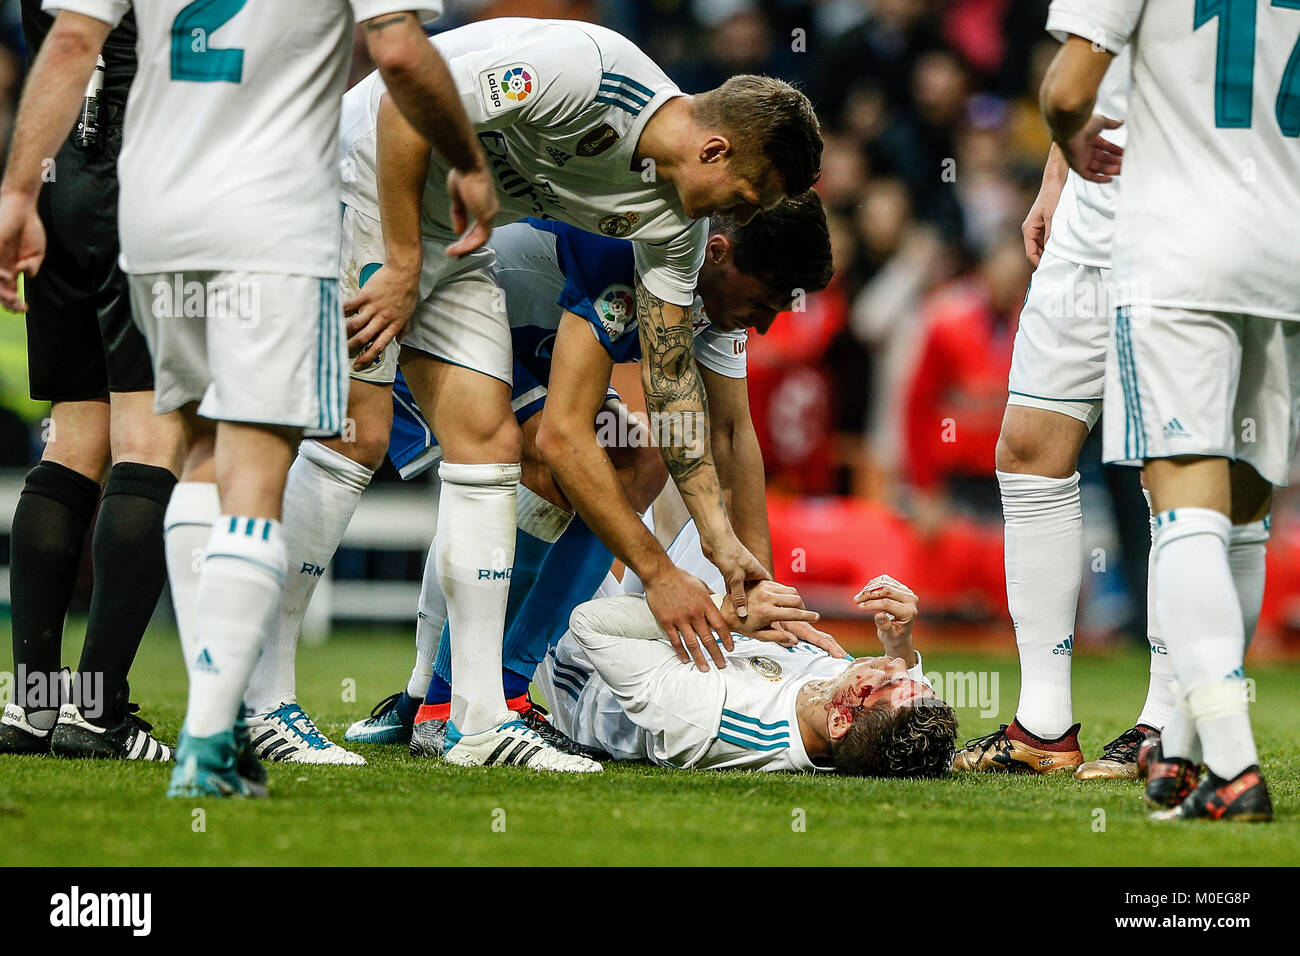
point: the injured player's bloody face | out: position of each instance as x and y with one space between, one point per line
873 720
870 682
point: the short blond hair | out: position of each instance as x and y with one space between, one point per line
773 120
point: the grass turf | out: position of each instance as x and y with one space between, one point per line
400 811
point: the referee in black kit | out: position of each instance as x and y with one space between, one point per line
86 356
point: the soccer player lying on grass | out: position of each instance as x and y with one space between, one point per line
569 294
614 682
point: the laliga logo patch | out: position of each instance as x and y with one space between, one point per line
507 87
518 84
616 306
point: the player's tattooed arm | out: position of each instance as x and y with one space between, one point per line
677 400
679 412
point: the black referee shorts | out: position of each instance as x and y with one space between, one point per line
81 341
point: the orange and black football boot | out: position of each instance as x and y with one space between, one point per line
1169 780
1119 758
1243 799
1012 749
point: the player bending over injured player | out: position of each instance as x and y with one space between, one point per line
615 683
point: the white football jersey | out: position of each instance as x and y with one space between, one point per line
1209 213
559 106
229 157
1084 225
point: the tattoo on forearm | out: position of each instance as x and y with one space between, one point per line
675 395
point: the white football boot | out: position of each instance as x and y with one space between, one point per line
286 734
509 742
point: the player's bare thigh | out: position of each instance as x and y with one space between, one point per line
468 411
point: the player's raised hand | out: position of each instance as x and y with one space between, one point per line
685 610
474 207
1090 154
895 607
22 247
380 313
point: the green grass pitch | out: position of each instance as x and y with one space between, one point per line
400 811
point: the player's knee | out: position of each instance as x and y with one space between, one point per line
503 441
1025 452
364 444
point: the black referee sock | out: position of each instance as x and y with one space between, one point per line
129 573
47 538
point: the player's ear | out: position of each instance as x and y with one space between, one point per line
719 249
715 149
838 722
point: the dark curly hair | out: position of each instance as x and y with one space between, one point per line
915 739
787 246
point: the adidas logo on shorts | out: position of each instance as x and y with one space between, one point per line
1174 429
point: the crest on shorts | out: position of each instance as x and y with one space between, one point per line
598 140
619 225
767 668
616 307
507 87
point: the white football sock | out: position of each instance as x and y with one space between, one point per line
476 551
1178 738
1044 569
1222 715
1159 705
187 526
1247 551
321 494
1200 617
428 627
238 600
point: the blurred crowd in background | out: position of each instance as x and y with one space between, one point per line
878 402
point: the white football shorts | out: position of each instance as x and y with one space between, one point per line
1059 358
461 317
248 347
1183 382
